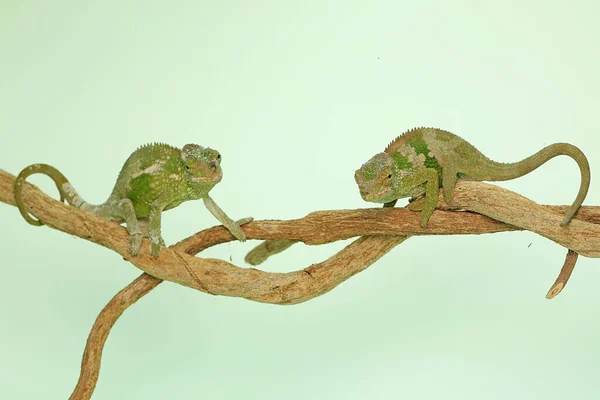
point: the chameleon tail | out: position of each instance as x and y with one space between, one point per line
501 172
62 184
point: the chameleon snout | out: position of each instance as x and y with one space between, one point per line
363 190
358 178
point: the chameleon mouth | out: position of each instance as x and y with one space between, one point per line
374 196
207 179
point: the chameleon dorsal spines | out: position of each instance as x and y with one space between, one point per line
156 177
422 160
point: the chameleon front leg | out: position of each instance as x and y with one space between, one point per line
124 209
154 222
390 203
449 179
227 222
145 227
429 178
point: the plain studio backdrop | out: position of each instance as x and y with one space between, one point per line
296 96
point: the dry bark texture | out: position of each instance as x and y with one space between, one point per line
379 229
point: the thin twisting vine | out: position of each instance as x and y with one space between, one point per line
379 230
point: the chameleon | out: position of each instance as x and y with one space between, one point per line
156 177
423 160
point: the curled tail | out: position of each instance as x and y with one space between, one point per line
62 184
500 172
584 168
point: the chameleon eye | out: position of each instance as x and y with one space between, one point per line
390 176
187 167
218 156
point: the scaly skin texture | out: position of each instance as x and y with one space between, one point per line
155 178
422 160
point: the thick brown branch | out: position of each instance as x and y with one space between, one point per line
90 364
222 278
390 227
500 204
355 258
565 274
503 205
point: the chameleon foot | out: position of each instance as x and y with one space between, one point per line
135 242
237 232
244 221
155 246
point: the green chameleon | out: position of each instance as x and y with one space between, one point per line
422 160
155 177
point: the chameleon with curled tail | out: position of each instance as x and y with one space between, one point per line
422 160
155 177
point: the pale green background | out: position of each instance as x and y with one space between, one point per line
296 96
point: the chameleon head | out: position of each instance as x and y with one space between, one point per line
376 179
202 164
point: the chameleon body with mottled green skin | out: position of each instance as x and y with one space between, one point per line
155 178
422 160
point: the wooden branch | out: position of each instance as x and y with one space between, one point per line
90 363
222 278
381 230
503 205
356 257
565 274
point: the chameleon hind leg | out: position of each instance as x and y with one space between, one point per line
154 220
